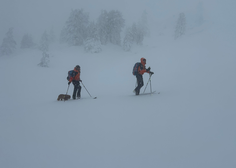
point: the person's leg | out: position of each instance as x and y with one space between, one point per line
78 92
74 93
75 89
140 83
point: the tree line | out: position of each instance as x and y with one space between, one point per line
80 31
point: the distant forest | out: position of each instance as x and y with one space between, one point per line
78 30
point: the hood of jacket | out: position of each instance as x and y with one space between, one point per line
76 70
142 61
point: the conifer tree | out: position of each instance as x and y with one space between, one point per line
92 43
9 44
44 60
115 25
27 41
181 26
110 25
102 24
128 39
52 36
75 30
143 24
44 43
138 34
200 12
133 35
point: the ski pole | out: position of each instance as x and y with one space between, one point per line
150 85
87 90
66 92
148 82
67 89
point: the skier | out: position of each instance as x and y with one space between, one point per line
75 79
138 71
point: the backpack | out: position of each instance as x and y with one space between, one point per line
135 68
70 74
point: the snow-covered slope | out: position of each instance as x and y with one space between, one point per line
190 124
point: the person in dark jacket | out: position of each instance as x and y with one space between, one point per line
141 70
75 79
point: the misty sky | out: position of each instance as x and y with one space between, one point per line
34 16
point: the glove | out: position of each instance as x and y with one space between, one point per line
151 73
148 69
69 83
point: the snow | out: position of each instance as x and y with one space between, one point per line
191 123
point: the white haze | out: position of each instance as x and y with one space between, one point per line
190 124
34 17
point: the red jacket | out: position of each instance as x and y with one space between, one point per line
76 77
142 68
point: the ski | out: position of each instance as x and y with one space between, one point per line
150 93
81 98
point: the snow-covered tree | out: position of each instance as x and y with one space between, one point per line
102 25
27 41
115 25
133 35
143 24
181 26
52 36
75 30
199 14
9 44
92 43
110 25
44 43
138 34
44 60
128 39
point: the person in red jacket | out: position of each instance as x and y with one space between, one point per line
141 70
75 79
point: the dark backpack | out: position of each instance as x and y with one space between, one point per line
135 68
70 74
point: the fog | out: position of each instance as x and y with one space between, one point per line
34 17
191 123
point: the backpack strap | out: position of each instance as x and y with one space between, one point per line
74 73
